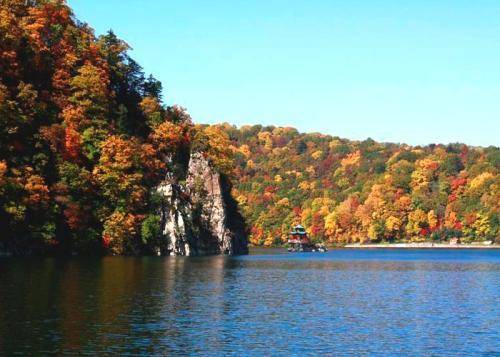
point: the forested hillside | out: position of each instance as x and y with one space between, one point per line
363 191
85 140
84 137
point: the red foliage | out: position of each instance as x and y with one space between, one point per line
325 166
73 215
457 182
72 144
464 152
270 189
106 240
425 231
470 218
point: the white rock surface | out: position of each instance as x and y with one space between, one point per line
196 218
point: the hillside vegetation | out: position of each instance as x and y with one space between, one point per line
84 137
363 191
85 140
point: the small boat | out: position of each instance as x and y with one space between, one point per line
320 247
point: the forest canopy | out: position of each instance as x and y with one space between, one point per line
84 136
85 139
347 191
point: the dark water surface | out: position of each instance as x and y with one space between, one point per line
418 302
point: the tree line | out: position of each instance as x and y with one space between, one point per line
347 191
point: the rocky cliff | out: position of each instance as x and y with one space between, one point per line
199 215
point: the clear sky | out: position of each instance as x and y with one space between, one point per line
414 71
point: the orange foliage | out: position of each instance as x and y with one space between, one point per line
40 21
118 154
10 37
120 228
3 172
150 106
37 190
72 143
352 159
154 166
168 136
74 116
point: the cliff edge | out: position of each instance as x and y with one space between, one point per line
199 215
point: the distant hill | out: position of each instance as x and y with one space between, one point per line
359 191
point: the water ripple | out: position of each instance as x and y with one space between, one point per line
342 302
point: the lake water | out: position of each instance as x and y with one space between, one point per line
418 302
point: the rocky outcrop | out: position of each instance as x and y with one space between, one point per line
199 215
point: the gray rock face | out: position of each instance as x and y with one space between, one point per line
199 216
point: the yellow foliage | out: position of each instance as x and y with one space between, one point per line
150 105
372 232
284 202
152 110
393 224
305 216
481 179
17 212
219 150
269 241
278 178
416 221
353 159
245 150
334 143
482 226
419 179
90 87
266 138
432 219
304 185
119 228
331 226
317 154
343 182
424 174
342 222
241 200
311 170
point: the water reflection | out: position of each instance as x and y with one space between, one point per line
399 302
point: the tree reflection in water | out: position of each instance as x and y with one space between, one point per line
431 302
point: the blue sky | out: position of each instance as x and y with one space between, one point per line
414 71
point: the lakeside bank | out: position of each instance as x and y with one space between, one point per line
424 246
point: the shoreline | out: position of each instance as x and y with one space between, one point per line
423 246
